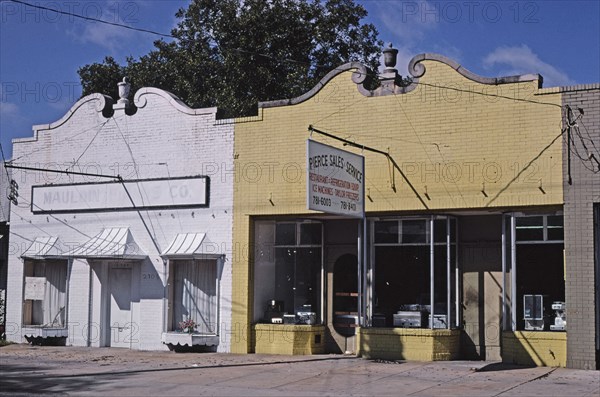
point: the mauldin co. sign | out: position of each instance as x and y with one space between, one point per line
335 180
121 196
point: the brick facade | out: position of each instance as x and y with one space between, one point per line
163 139
466 144
580 197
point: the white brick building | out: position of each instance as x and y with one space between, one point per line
89 268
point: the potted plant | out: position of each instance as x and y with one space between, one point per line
188 326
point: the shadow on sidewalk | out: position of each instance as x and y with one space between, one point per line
503 367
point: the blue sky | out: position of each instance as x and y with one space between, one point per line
40 51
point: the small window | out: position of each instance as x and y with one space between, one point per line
386 232
530 228
310 234
453 230
555 227
539 228
285 234
414 231
439 230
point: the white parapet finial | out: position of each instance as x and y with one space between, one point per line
124 88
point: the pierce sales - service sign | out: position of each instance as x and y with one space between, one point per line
335 180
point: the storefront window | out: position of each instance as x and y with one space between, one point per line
537 275
193 295
45 297
408 267
288 272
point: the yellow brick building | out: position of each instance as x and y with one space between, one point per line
467 186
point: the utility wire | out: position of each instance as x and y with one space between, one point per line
170 36
71 14
4 161
135 167
89 144
60 141
370 149
239 50
489 95
441 177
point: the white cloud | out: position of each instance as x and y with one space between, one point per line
8 110
104 35
521 60
107 36
408 21
449 51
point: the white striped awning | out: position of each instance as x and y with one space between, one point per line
111 243
43 247
191 245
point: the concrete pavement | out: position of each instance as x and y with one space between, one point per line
27 370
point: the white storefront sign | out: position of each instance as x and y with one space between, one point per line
152 193
335 180
35 288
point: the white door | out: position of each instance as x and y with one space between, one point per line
121 326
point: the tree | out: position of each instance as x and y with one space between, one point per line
234 53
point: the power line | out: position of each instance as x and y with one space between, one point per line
486 94
89 144
239 50
19 167
428 156
71 14
370 149
4 161
170 36
61 141
135 168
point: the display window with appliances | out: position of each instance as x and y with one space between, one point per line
414 268
288 272
534 272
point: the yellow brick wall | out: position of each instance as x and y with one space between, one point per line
289 339
451 143
535 348
409 344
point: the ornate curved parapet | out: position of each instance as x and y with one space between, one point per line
359 77
99 102
140 100
417 69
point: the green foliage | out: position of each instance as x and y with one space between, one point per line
234 53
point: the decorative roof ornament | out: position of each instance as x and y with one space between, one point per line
124 88
390 55
390 78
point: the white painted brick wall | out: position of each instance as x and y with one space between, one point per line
165 141
4 187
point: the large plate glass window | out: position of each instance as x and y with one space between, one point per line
288 272
414 272
534 272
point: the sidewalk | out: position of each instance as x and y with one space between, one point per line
27 370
